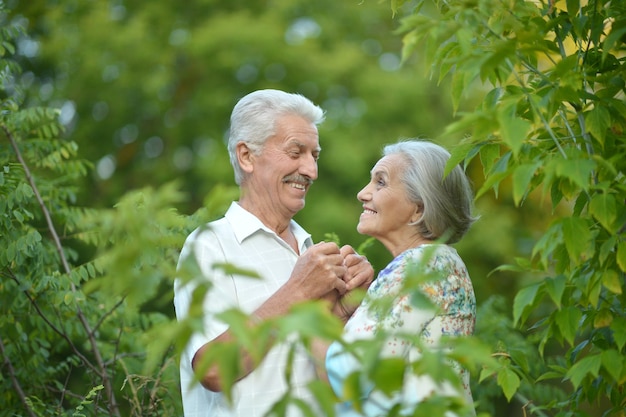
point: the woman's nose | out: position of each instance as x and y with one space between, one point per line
363 195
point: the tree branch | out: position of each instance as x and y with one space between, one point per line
106 382
16 384
54 328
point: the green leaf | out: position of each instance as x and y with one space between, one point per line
231 269
618 327
389 374
68 298
513 129
613 363
603 318
549 242
509 382
522 177
621 255
458 87
577 170
580 370
555 287
550 375
457 154
577 237
612 281
603 207
489 154
607 249
598 121
499 171
320 390
568 321
524 301
311 320
573 7
611 40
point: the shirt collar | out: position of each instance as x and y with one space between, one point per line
245 224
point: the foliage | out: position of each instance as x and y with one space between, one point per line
552 119
68 348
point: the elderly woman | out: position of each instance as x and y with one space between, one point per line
416 212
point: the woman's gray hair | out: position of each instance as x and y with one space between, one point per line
254 117
447 202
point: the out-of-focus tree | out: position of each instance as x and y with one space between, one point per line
146 89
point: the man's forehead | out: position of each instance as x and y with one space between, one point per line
300 144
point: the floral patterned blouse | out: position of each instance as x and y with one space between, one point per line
446 284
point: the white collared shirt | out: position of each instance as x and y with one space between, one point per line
240 239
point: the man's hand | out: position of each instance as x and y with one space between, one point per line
360 273
318 271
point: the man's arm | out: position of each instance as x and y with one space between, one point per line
317 272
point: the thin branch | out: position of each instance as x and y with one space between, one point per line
16 384
54 328
537 112
107 314
75 396
106 382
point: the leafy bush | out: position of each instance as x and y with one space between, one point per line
552 117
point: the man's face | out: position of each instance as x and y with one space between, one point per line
286 167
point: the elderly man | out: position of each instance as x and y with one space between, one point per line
274 148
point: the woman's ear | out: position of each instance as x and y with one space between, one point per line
244 157
419 211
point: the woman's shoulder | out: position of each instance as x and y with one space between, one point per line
430 252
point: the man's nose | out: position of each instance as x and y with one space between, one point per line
309 167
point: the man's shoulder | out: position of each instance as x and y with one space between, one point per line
212 228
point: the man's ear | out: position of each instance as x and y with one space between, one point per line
245 157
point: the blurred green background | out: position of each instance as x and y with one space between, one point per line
146 90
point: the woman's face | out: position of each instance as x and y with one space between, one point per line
387 210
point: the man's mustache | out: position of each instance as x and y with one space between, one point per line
299 179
